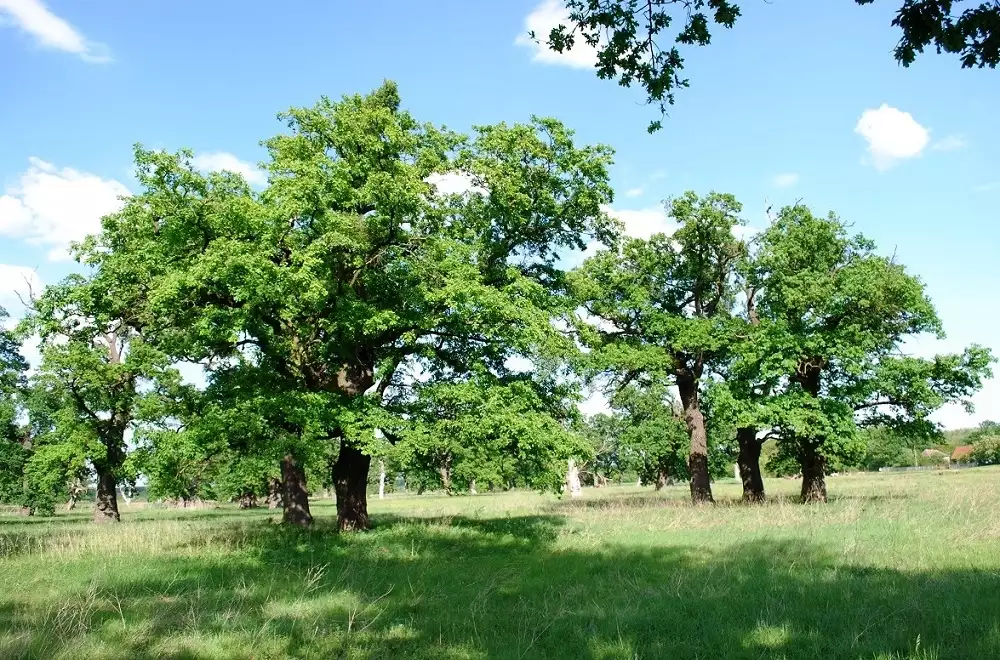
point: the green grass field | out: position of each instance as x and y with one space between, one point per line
895 566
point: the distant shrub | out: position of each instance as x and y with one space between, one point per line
986 450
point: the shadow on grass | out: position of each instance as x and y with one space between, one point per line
459 587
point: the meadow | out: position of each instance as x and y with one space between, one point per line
895 566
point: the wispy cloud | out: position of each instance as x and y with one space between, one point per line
51 31
950 143
634 192
785 180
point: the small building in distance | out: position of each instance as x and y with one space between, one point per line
962 454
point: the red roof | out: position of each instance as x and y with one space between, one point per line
961 452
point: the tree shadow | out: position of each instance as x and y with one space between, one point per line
459 587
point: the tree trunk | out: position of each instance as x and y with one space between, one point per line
273 493
701 484
472 488
381 479
573 479
248 500
749 464
663 479
445 473
350 479
107 497
294 494
813 474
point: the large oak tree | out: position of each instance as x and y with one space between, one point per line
351 274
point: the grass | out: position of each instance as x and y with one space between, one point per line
895 566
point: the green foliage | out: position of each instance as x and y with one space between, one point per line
499 434
609 459
833 317
658 312
630 47
986 428
98 379
641 41
653 438
13 452
884 448
986 450
325 296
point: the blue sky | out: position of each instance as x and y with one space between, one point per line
799 101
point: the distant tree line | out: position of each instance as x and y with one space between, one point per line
399 293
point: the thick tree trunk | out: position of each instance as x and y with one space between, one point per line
294 493
573 479
350 479
749 464
107 497
248 500
813 474
273 493
701 484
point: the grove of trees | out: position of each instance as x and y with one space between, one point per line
350 311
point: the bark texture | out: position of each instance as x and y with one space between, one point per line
749 465
813 474
701 484
294 493
350 480
273 493
106 509
811 458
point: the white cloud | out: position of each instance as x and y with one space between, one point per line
453 183
634 192
643 223
892 135
33 17
744 231
217 161
986 187
785 180
950 143
544 17
52 206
